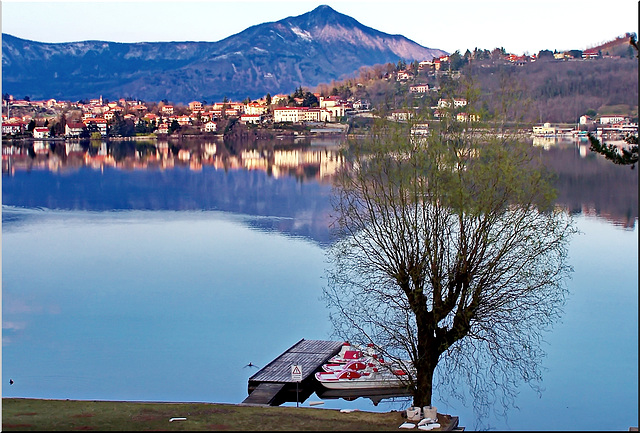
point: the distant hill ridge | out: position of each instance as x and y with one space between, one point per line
275 57
614 43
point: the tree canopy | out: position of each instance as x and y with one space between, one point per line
449 253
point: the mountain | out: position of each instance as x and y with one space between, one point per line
275 57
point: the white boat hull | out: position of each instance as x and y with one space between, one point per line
362 384
331 381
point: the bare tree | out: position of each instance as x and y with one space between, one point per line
450 253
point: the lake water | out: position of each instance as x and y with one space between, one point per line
159 276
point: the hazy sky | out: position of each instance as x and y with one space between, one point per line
518 26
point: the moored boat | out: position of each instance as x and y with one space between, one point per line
370 378
352 365
349 352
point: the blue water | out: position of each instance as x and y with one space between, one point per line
150 295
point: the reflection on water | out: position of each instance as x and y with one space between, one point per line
82 170
310 158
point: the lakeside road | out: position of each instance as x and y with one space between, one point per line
19 414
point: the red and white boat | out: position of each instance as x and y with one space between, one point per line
351 365
369 378
349 353
354 368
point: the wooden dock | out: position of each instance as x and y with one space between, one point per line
273 384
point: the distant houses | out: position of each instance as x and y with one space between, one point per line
608 124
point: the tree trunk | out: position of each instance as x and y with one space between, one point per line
426 362
424 383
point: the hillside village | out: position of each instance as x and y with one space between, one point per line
99 118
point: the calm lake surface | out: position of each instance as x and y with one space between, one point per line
157 274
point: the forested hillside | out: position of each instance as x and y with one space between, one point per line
549 90
562 91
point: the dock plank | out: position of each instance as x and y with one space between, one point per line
309 354
264 394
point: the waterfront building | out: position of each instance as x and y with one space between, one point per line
41 132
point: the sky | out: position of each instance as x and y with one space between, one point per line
520 27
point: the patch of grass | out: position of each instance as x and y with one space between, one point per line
71 415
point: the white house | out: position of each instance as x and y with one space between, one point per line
419 88
330 101
361 104
255 108
466 117
288 114
401 115
611 119
253 119
12 127
40 132
210 127
73 129
542 130
586 120
337 111
195 106
403 76
457 102
184 120
163 129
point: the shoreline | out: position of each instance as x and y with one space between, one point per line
25 414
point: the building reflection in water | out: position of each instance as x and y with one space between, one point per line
300 159
584 179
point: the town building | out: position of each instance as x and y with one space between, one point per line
12 127
330 101
611 119
210 127
586 120
40 132
195 106
466 117
74 129
288 114
100 123
457 102
419 88
545 129
255 108
254 119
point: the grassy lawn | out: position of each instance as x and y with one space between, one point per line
67 415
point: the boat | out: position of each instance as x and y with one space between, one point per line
356 368
370 378
351 365
349 352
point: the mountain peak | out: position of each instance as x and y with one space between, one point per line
276 57
323 9
325 15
